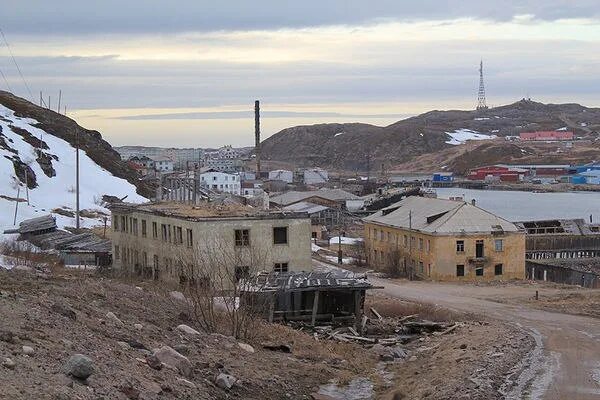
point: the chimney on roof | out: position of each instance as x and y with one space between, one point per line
473 202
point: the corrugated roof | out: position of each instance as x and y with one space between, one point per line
306 206
440 216
329 194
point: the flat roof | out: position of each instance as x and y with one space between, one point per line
204 211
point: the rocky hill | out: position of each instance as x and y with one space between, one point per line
355 146
38 164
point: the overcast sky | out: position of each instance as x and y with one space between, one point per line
186 73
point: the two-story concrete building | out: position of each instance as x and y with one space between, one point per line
444 240
175 242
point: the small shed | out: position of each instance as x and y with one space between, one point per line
324 297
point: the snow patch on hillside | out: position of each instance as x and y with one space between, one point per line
57 191
460 136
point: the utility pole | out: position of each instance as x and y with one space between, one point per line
59 98
410 245
27 184
340 258
41 99
77 177
17 204
257 136
49 102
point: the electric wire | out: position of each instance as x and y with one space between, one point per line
16 64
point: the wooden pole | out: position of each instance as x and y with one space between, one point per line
17 204
41 99
315 308
27 185
59 98
104 233
77 177
48 102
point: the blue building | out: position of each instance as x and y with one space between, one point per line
443 177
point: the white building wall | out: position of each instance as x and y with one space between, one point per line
282 175
315 176
222 182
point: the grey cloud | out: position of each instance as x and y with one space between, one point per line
81 17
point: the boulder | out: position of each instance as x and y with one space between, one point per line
153 362
225 381
64 310
174 359
246 347
139 327
114 319
28 350
79 366
8 363
177 295
182 349
187 330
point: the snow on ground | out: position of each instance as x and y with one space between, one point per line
345 260
58 191
564 128
314 248
345 240
460 136
481 119
338 134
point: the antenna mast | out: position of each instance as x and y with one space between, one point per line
481 104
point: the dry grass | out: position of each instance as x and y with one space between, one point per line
395 308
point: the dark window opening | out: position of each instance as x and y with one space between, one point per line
460 270
498 269
143 228
479 271
189 238
242 237
479 249
242 273
154 230
281 267
280 235
460 246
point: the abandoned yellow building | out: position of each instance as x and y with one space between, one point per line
181 243
444 240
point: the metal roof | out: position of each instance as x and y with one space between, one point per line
440 216
299 281
293 196
306 206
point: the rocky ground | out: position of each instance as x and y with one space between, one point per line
59 328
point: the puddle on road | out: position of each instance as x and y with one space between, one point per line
357 389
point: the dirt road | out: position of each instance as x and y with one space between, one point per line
565 364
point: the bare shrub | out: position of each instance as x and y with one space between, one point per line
25 254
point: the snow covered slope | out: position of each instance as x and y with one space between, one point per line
460 136
52 172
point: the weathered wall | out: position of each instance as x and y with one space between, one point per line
435 256
544 272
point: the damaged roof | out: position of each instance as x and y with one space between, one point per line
293 196
302 281
39 224
440 216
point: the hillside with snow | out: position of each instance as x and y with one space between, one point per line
39 165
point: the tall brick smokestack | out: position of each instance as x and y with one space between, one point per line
257 136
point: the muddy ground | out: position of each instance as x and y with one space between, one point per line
66 313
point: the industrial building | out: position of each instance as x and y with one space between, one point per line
336 198
444 240
546 136
184 244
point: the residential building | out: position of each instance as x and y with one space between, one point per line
180 243
282 175
444 240
315 176
252 188
163 164
221 181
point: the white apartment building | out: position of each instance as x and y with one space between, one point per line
221 182
163 164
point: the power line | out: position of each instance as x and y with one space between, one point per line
5 81
16 65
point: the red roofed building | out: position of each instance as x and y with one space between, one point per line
547 135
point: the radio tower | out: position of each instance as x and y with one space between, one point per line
481 105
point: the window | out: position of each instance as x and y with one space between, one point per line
499 244
134 226
420 244
376 237
116 224
144 259
242 237
498 269
189 237
421 268
405 241
281 267
123 224
163 229
280 235
117 252
428 248
479 248
154 230
413 242
313 235
460 270
460 247
143 228
178 235
242 273
479 271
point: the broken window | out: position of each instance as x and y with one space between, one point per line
116 224
154 230
376 237
420 244
405 241
178 235
479 248
242 237
123 224
479 271
281 267
163 229
460 270
189 237
428 248
499 244
242 273
280 235
460 246
117 252
134 226
498 269
143 228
